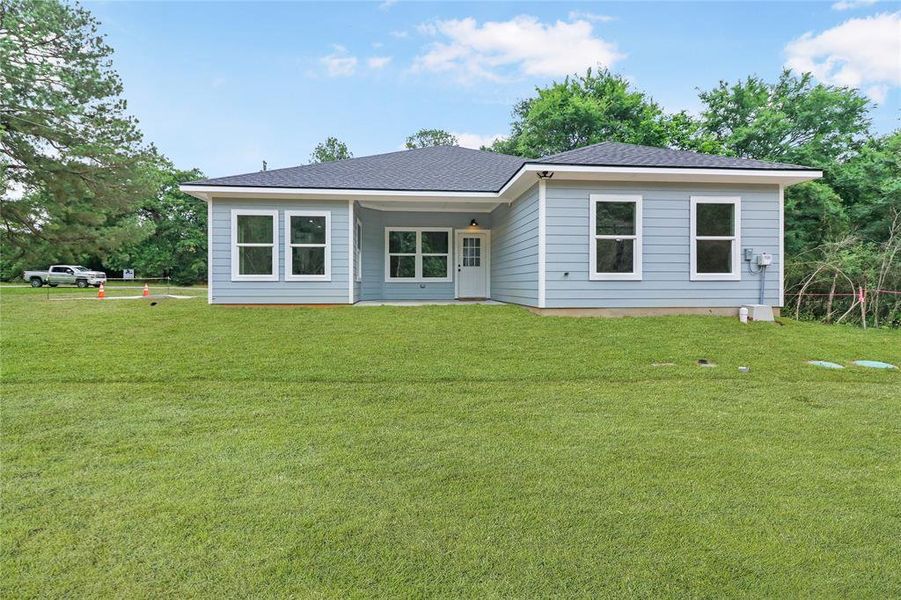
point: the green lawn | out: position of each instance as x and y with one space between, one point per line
185 450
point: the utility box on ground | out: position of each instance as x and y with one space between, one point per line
759 312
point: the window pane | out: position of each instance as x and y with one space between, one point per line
402 266
434 266
254 229
615 256
716 219
308 261
615 218
714 256
307 230
434 242
255 260
403 242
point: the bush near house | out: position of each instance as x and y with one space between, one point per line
185 450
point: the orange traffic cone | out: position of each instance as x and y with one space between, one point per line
100 293
146 290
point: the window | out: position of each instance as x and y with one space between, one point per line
358 251
417 254
254 255
307 245
715 238
615 237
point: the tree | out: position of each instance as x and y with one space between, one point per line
173 233
792 120
73 160
583 110
869 183
425 138
330 150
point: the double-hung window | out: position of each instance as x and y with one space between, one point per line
358 251
417 254
307 245
615 237
254 253
715 238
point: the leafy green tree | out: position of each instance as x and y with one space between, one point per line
814 214
425 138
791 120
73 163
869 183
330 150
173 237
582 110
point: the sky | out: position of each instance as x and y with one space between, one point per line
222 86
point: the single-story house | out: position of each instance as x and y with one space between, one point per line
608 227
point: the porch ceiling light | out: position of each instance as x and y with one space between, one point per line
473 223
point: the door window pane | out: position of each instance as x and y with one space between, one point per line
255 260
308 261
434 242
434 266
615 256
403 266
254 229
615 218
307 230
715 220
714 256
402 242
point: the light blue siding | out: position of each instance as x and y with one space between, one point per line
226 291
665 281
374 223
514 251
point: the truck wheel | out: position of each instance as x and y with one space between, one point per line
36 282
82 283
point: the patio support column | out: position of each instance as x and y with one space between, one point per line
351 254
542 233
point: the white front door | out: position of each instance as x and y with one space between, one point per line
472 256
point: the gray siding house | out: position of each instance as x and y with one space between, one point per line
609 228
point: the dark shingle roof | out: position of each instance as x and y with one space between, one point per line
614 154
438 168
455 169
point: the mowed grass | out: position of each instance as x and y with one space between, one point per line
184 450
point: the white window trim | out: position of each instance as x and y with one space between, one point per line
419 278
358 251
249 212
735 275
636 275
289 256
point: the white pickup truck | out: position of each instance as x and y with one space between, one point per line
65 275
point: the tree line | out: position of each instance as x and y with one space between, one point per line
80 184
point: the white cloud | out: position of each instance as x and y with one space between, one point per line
475 140
399 34
218 82
387 4
864 53
575 15
378 62
852 4
521 46
339 63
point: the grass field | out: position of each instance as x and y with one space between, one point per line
184 450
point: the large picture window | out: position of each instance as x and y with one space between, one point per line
615 237
715 238
307 245
417 254
254 254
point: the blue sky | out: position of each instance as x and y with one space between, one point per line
223 86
